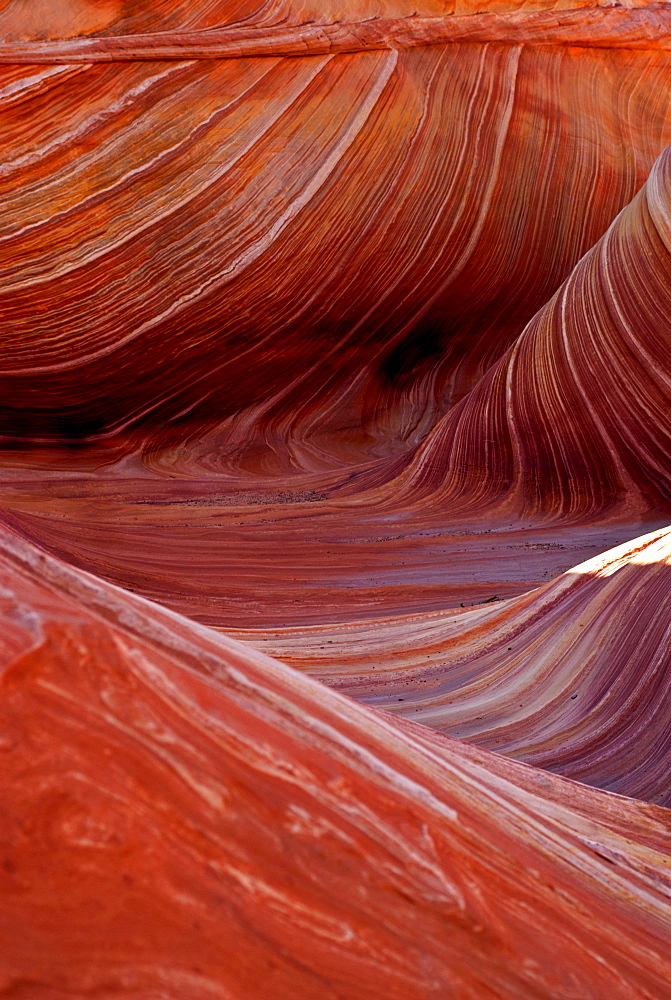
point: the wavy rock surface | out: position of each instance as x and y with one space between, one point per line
569 426
322 324
574 677
332 302
576 415
189 817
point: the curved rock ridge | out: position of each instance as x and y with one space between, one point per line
646 27
574 677
576 416
41 20
189 817
29 24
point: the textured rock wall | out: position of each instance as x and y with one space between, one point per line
334 500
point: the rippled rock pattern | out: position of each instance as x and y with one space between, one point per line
335 484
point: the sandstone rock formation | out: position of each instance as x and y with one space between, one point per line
335 484
187 817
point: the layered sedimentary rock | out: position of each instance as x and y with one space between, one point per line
576 415
188 817
344 328
574 677
346 268
563 444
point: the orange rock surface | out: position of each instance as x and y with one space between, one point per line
187 817
335 484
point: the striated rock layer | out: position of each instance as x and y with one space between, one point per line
576 415
342 328
312 257
562 445
189 817
574 677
